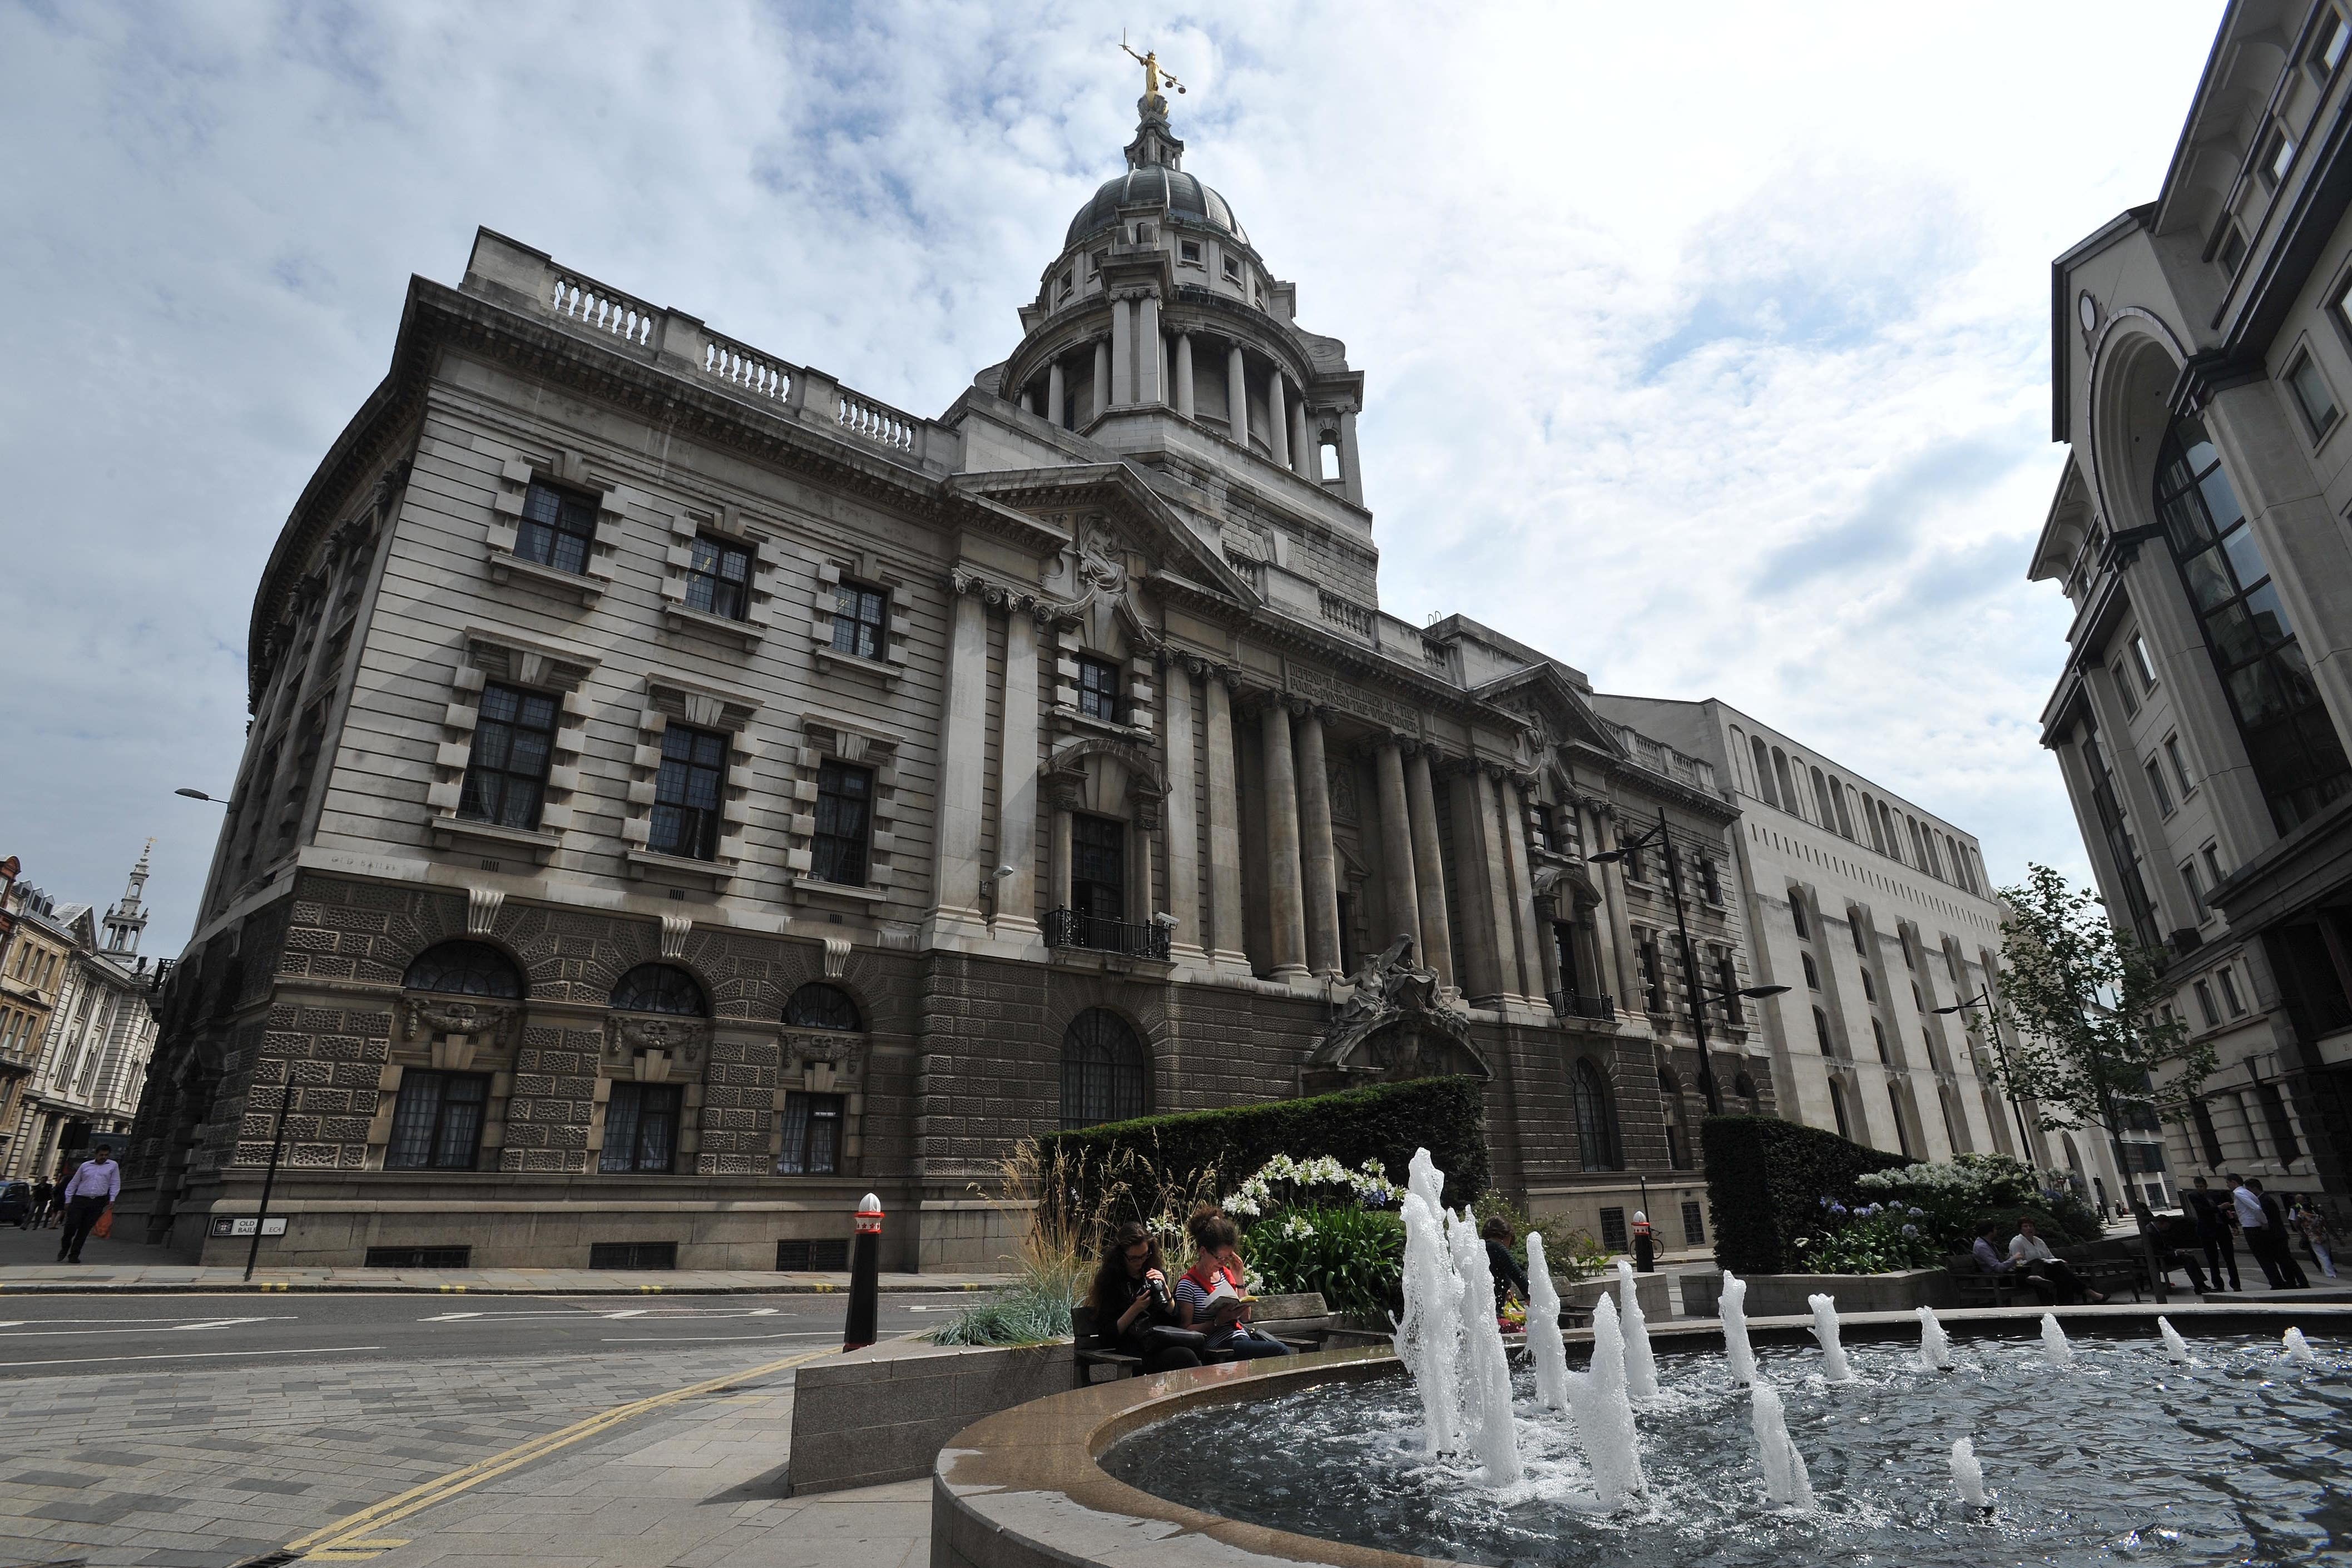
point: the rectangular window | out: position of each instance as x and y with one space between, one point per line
2328 43
861 620
844 820
1539 825
829 1255
557 527
2311 394
1653 988
1812 972
652 1255
687 792
2180 766
439 1123
1710 885
2212 865
1612 1229
2155 783
1097 867
1797 914
1634 870
1853 926
1101 693
2278 157
2229 248
2146 665
2205 1004
1727 989
641 1128
1189 252
1869 987
2282 1127
2196 893
1064 286
719 579
2230 992
1694 1224
812 1135
507 774
1233 268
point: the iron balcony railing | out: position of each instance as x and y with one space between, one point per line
1568 1004
1069 928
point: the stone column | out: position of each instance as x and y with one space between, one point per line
1122 353
1183 840
1547 930
1149 352
1058 855
1620 929
1493 837
1277 421
1185 375
1319 860
1481 970
1028 401
1016 779
1286 904
1351 472
1225 921
1399 899
1302 455
1102 377
1436 949
1513 797
2173 910
963 746
1058 395
1237 396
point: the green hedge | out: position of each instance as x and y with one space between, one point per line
1765 1181
1129 1170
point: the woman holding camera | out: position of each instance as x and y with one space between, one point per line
1133 1307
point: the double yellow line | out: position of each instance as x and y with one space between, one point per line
353 1537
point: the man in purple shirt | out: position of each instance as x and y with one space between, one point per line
88 1194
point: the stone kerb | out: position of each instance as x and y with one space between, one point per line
883 1414
1784 1295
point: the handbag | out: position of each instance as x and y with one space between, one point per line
105 1226
1161 1336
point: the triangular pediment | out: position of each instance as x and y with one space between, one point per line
1550 708
1109 505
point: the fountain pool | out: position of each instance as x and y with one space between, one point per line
2246 1457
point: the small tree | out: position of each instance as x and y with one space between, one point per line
2087 1003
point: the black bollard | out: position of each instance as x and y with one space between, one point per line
1645 1246
864 1276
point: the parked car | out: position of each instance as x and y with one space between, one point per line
15 1198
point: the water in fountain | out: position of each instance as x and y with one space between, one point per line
1544 1346
2297 1347
1732 1306
1934 1345
2054 1343
1604 1413
2174 1345
1785 1479
1968 1476
1641 1366
1486 1383
1428 1337
1825 1330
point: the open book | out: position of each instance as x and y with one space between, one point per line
1224 1303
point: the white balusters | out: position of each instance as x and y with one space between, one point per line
745 370
876 421
600 310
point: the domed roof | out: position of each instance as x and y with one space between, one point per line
1172 189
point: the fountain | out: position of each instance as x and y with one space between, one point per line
1604 1414
1825 1330
1641 1366
2174 1345
1486 1381
1785 1479
1934 1345
1428 1336
1732 1306
1545 1348
2054 1343
2297 1347
1968 1476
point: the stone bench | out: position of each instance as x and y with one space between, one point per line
1301 1322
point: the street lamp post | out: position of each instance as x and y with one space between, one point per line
270 1179
1699 991
2007 1090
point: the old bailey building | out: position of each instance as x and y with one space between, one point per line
684 793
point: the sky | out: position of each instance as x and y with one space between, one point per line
1705 346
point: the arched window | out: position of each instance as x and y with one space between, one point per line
1837 1109
1952 1125
1596 1120
1788 790
1822 800
819 1006
1763 771
2298 759
1902 1132
1887 823
1844 818
1738 755
1106 1075
660 988
465 970
1878 1032
1744 1087
1678 1149
1821 1030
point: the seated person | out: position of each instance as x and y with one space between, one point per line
1510 1279
2176 1242
1210 1296
1990 1260
1133 1307
2032 1254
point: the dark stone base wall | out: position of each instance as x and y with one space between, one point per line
960 1059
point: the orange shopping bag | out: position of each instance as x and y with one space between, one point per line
105 1226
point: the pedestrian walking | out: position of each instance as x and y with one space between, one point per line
56 1211
2276 1237
2205 1208
36 1207
2253 1223
2310 1221
96 1184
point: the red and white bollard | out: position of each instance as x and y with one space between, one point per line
864 1276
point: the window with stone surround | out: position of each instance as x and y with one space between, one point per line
844 817
858 621
464 969
437 1124
1653 988
719 579
861 620
553 527
660 988
718 574
641 1127
507 771
688 798
1596 1120
844 745
819 1006
1100 691
1106 1071
812 1134
687 788
558 528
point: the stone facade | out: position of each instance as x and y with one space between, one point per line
2200 358
685 793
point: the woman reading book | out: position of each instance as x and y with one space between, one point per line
1210 1296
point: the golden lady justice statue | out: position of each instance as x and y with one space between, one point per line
1154 73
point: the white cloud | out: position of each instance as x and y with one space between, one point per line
1704 346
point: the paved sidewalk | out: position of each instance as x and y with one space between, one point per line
33 1279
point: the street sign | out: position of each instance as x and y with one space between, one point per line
231 1225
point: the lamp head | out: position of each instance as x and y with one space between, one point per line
1758 993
